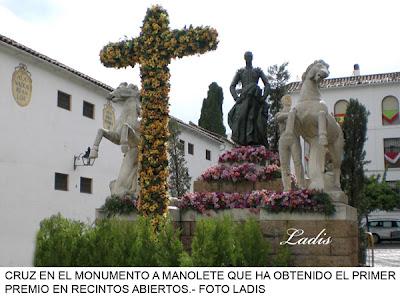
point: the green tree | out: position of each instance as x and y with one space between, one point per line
379 195
211 117
278 77
355 135
352 178
179 179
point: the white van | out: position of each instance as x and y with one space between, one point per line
384 229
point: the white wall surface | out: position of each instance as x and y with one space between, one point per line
197 163
41 139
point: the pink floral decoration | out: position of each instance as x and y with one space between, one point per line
297 201
240 172
251 154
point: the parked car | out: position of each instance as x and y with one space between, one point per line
384 229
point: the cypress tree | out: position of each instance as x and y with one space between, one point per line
211 117
179 179
278 77
355 135
352 170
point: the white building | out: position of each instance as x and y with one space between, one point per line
50 113
380 93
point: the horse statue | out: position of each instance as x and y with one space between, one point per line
289 144
126 132
320 129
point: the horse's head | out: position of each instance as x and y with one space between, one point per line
317 71
124 92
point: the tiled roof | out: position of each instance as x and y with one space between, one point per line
40 56
12 43
215 135
203 131
351 81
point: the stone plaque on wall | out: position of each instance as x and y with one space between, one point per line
108 116
22 85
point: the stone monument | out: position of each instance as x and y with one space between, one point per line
319 128
248 117
289 145
125 133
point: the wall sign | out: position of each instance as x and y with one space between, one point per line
108 116
22 85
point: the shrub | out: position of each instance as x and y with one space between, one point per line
57 242
214 243
142 251
253 246
112 242
282 257
168 246
108 243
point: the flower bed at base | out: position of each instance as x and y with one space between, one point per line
293 201
116 205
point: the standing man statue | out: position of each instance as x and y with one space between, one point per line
248 117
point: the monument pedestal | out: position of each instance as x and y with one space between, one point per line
341 228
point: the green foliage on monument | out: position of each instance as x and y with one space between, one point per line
379 195
179 179
211 117
352 169
278 77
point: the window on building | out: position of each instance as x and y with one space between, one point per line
88 110
390 111
182 145
392 152
208 155
190 148
340 110
86 185
61 181
64 100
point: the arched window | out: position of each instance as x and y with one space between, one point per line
340 110
390 111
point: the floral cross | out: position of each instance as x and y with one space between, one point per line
153 51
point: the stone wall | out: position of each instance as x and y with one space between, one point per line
238 187
341 227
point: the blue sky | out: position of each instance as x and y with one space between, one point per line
31 10
342 32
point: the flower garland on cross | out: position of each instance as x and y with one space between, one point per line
153 51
